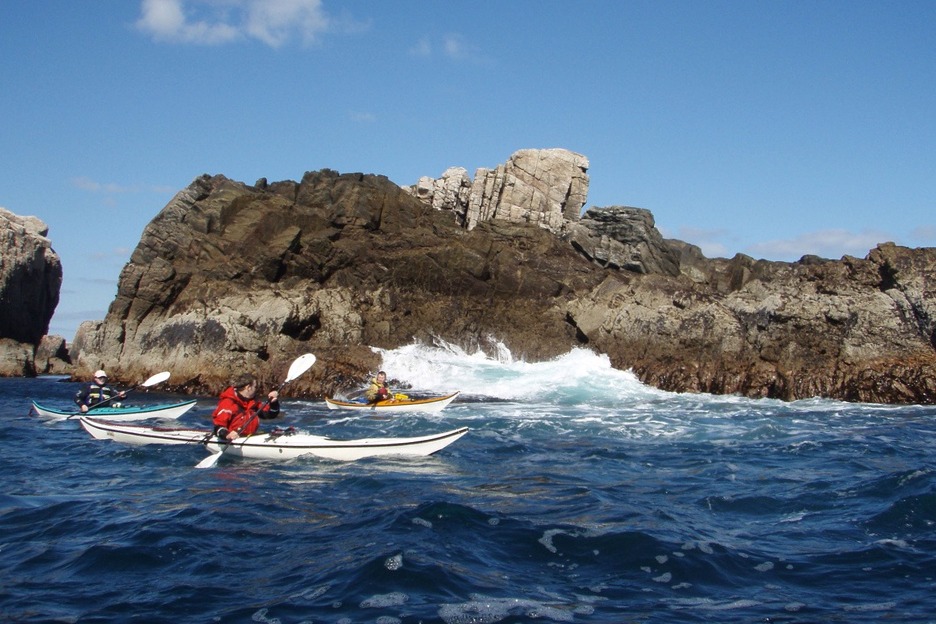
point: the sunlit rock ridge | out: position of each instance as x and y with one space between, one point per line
231 276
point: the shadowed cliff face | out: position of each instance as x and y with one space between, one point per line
30 279
230 277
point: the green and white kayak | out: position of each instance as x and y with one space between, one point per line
123 413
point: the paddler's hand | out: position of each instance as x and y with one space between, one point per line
84 409
273 396
226 434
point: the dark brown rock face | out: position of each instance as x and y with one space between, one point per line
230 277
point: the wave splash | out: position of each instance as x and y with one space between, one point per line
578 376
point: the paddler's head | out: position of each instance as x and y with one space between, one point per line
245 385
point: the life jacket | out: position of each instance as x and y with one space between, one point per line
373 391
234 412
94 393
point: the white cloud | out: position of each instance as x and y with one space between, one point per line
833 243
711 242
274 21
423 47
825 243
212 22
166 20
452 45
363 117
925 233
87 184
111 188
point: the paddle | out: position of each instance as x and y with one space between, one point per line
158 378
300 365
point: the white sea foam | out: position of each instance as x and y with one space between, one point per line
579 374
487 610
581 391
393 599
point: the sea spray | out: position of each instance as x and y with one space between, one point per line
579 376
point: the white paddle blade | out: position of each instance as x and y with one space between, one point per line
209 461
300 365
158 378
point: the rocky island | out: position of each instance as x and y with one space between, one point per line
231 276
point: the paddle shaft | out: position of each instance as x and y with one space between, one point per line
109 399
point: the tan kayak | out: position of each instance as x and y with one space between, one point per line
433 404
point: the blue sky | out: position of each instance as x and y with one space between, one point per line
774 129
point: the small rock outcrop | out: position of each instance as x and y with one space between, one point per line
30 282
625 238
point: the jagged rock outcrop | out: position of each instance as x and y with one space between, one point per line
543 187
30 281
619 237
230 277
51 357
854 329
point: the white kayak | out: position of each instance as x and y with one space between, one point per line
129 412
275 445
433 404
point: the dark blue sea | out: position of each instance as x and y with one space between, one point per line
579 495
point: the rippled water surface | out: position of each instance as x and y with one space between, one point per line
579 495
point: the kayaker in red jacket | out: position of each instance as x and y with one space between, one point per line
237 412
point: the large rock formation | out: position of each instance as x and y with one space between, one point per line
30 281
230 276
543 187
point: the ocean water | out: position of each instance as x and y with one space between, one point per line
579 495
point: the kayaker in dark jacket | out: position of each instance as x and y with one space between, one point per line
96 393
378 390
237 412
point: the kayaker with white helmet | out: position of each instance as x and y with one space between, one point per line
97 393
